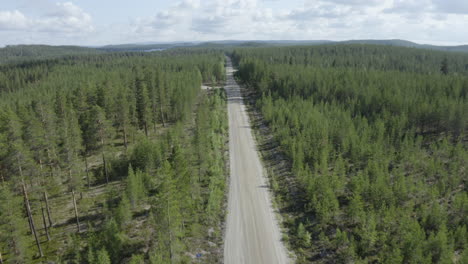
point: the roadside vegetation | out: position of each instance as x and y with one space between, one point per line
375 141
114 158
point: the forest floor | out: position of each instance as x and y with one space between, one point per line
252 234
92 203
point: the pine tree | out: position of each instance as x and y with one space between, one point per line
102 257
137 259
12 226
122 115
444 69
97 135
169 214
123 213
356 209
17 159
71 148
45 116
142 105
182 177
135 186
304 236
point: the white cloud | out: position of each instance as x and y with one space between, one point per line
319 11
355 2
66 18
322 19
198 20
191 18
429 6
451 6
13 20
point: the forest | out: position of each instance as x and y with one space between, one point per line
25 53
376 142
121 157
113 158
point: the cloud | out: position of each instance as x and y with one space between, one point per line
209 24
355 2
65 18
321 11
429 6
409 6
451 6
320 19
191 18
13 20
188 4
199 20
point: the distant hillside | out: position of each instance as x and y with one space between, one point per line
208 44
462 48
265 43
145 46
389 42
405 43
20 53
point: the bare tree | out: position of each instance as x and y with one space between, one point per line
76 212
31 220
45 223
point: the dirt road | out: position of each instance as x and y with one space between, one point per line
252 232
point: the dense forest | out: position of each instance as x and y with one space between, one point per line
121 157
23 53
376 139
113 158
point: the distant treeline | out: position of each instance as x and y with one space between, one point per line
21 53
364 57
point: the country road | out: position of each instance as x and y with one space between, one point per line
252 232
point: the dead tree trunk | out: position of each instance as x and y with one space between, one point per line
1 259
76 212
26 202
125 137
48 209
170 232
87 172
45 223
20 169
105 167
162 116
3 182
31 229
31 221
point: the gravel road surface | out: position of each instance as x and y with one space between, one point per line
252 232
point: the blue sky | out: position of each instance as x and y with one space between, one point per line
100 22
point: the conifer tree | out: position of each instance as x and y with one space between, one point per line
135 187
17 159
102 257
142 105
122 115
123 212
12 226
169 214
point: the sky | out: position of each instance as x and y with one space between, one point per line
102 22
